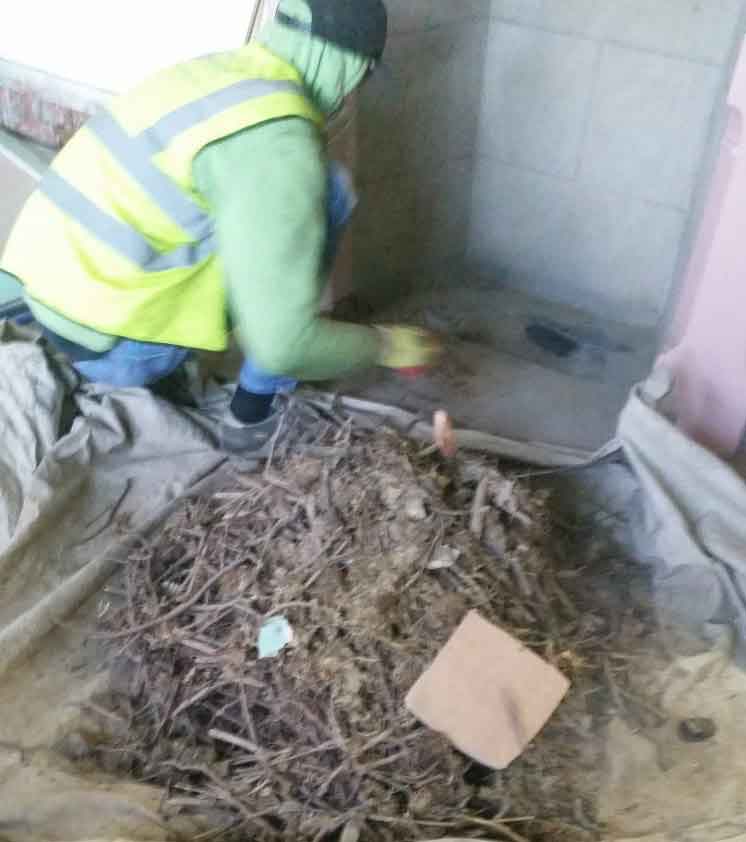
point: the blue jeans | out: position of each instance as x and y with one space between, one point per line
133 363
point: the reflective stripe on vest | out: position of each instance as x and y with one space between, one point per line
135 156
162 133
117 234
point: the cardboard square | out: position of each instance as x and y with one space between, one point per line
487 693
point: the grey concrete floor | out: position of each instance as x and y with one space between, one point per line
518 366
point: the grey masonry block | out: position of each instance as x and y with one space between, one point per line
407 222
577 17
417 134
382 235
444 205
424 110
420 15
595 249
536 94
649 125
699 29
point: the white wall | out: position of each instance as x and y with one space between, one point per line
111 46
595 118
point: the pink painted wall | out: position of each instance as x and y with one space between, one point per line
706 346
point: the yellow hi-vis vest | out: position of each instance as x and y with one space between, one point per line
117 237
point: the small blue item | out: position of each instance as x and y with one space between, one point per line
274 636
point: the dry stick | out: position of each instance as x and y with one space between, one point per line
327 746
278 527
232 739
197 697
184 801
322 727
258 750
520 575
327 545
284 606
411 820
224 793
498 825
222 712
281 756
215 614
320 452
372 743
327 497
347 762
200 562
186 558
200 647
385 761
324 788
295 495
180 609
329 829
273 444
218 831
616 696
564 599
427 559
478 508
129 585
166 717
150 591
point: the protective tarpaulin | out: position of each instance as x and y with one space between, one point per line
658 787
82 473
694 523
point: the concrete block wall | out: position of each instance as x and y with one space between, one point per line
417 138
595 120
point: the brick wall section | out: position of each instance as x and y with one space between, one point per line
26 111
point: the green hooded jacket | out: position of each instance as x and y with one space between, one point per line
267 188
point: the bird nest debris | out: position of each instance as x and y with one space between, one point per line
372 548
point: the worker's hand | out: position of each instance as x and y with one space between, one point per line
409 349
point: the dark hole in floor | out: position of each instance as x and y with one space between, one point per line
552 340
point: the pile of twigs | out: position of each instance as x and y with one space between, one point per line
373 548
